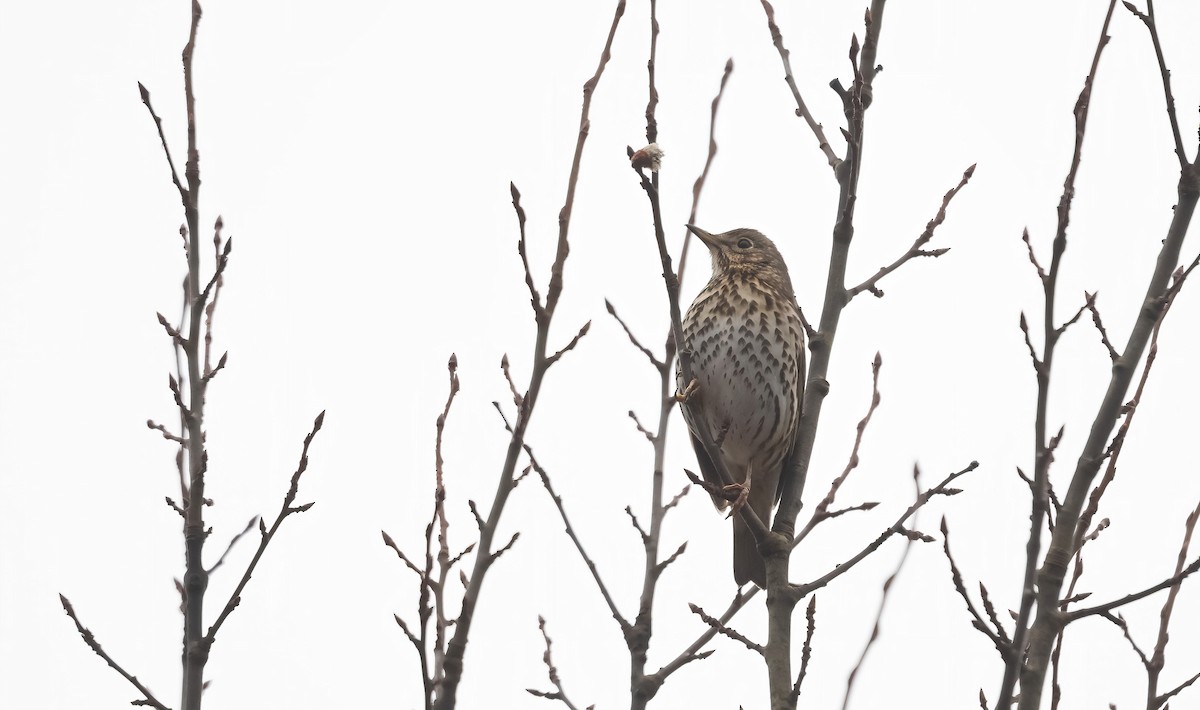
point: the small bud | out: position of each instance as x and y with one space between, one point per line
649 157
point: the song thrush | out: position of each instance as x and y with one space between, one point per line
747 344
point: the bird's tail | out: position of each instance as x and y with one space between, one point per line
748 565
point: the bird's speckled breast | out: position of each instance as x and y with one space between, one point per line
744 337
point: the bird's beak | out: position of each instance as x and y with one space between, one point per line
709 240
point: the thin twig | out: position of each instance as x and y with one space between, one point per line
232 542
977 621
1015 666
724 630
1152 25
1091 306
1167 583
698 186
883 598
821 513
916 250
543 316
90 639
145 94
801 108
692 652
150 423
1158 660
612 311
799 591
810 616
285 510
552 672
570 530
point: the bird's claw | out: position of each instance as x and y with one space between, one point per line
686 394
737 494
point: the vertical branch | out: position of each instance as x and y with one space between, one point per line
195 579
1151 23
643 687
444 561
1158 660
652 103
1050 577
883 599
698 186
1043 455
836 293
637 637
780 598
541 361
189 384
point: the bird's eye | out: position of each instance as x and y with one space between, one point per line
744 243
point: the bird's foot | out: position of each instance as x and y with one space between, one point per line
686 394
737 494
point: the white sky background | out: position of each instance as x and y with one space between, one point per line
361 156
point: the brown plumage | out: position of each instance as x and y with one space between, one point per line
747 341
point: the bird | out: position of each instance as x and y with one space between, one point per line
746 337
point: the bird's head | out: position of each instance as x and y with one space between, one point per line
745 252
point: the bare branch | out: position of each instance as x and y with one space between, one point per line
976 619
285 510
799 591
883 598
387 540
183 193
1158 660
1120 622
724 630
821 513
535 299
552 672
1152 25
806 650
150 423
1037 363
1091 306
801 108
990 609
633 338
698 186
636 525
1176 690
507 546
658 570
569 346
916 249
1033 257
1042 367
232 542
678 497
570 530
1075 318
638 423
692 652
512 386
90 639
1167 583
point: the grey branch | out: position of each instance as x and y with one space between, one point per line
90 639
916 250
724 630
801 108
552 672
